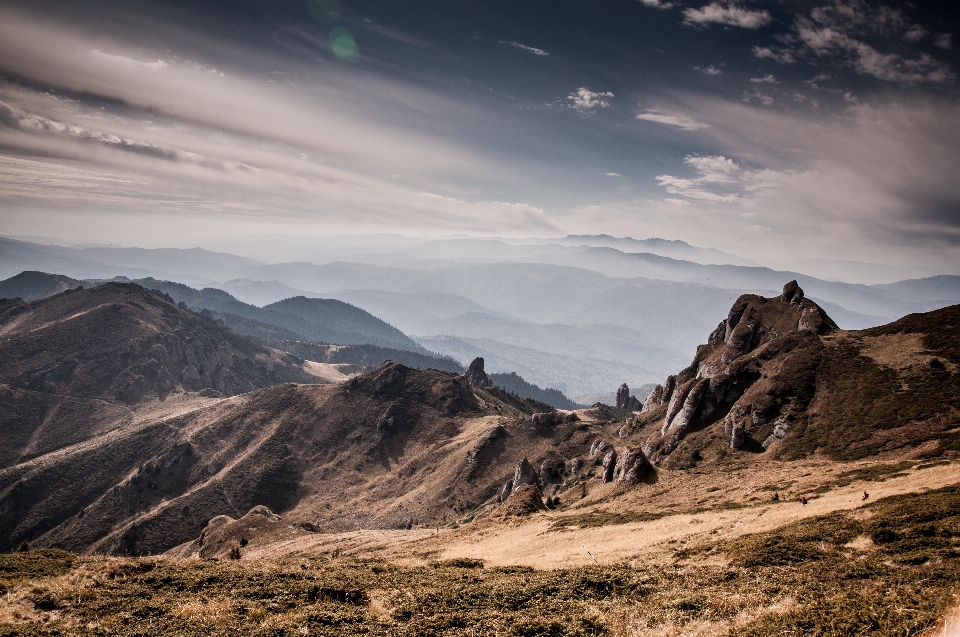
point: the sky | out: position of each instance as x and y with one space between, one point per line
781 131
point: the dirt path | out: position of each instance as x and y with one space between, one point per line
535 544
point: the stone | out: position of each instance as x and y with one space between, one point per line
190 378
632 466
475 376
625 400
684 418
506 491
546 419
780 428
609 465
598 447
792 293
525 474
933 365
574 466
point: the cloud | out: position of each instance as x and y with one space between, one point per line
709 70
783 56
656 4
585 100
756 95
728 13
766 79
524 47
943 41
680 121
826 37
713 171
614 175
867 38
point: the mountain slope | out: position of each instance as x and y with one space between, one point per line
387 447
72 365
33 285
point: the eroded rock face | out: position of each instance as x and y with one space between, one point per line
475 376
753 368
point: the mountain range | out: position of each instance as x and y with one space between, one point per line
583 299
397 446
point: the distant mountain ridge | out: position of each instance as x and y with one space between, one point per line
321 320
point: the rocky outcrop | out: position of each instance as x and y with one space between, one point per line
552 419
475 376
625 400
754 367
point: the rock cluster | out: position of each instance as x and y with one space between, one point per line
180 359
760 341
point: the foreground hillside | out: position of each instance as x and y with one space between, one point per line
887 568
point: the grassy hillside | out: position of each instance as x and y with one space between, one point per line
889 569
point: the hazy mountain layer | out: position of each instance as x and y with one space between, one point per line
566 373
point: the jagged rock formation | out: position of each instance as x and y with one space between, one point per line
733 375
625 400
475 376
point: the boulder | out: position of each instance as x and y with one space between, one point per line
506 491
525 474
598 447
632 466
609 465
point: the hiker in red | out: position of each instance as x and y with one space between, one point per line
865 496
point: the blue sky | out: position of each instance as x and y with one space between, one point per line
775 130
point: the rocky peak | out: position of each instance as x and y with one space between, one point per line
475 376
723 377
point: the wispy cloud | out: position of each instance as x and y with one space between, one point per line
585 100
709 70
781 55
524 47
671 119
728 13
868 38
766 79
